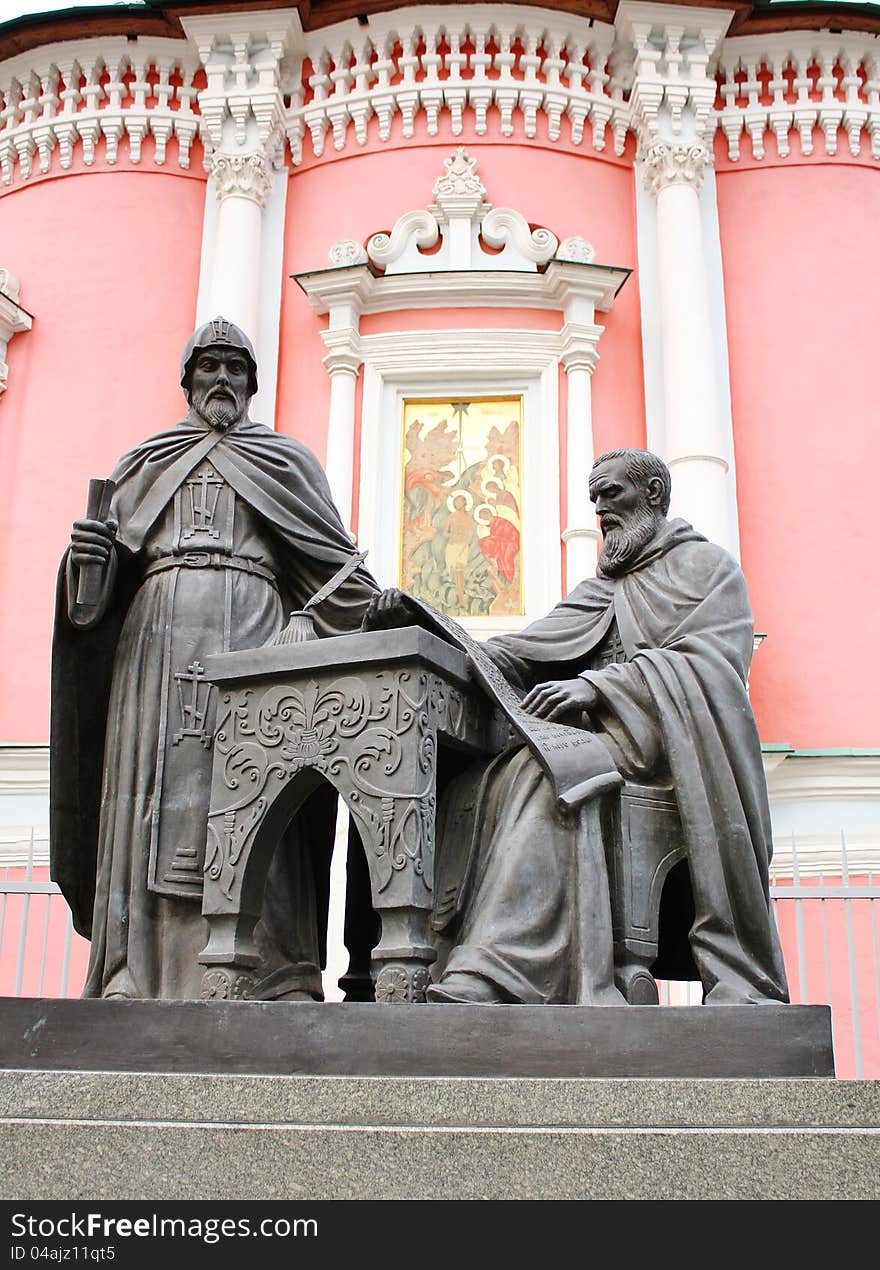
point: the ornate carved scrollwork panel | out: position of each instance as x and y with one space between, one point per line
374 738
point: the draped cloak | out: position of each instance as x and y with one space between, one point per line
677 706
109 679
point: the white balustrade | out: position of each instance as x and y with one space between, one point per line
793 82
68 97
513 70
528 64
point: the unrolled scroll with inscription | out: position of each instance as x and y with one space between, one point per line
576 761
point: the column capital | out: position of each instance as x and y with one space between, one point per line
242 176
344 356
580 346
589 532
675 163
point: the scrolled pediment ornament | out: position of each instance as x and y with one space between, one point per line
458 227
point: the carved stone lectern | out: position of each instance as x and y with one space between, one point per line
372 714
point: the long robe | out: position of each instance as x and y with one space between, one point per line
132 724
678 705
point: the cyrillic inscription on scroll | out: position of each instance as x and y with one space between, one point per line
576 761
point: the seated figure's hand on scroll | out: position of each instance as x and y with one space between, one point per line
560 697
387 609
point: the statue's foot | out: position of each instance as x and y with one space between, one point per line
460 988
637 984
722 994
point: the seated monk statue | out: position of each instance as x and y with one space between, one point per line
652 655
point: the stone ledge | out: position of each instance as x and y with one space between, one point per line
256 1037
164 1159
447 1102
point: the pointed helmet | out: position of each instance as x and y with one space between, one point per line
218 333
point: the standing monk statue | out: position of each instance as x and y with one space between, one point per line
217 528
652 655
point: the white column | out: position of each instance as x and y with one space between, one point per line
581 533
695 441
247 57
343 362
242 182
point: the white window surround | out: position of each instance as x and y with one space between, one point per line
481 362
575 290
561 284
24 805
823 800
533 270
13 319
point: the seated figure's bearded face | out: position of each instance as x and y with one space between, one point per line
627 519
218 386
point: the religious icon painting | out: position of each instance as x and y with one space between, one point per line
461 514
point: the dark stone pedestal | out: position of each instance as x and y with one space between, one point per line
416 1040
250 1100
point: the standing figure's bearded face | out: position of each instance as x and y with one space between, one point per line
218 386
627 518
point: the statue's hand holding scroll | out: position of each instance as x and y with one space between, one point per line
560 697
91 542
387 609
92 559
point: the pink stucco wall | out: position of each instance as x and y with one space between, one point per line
358 193
109 266
801 276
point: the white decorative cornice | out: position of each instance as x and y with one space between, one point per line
673 91
508 71
670 49
24 770
523 64
826 813
242 176
24 774
69 97
465 289
824 778
246 57
277 30
822 80
13 319
674 163
511 71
